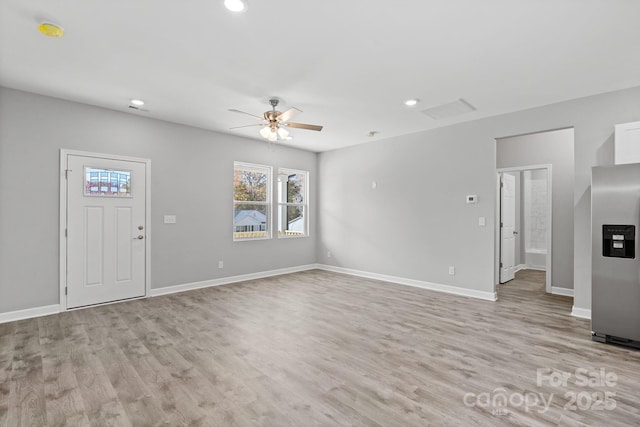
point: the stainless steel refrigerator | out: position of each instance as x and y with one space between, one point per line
615 270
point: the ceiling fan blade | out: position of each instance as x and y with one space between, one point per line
283 117
303 126
246 126
248 114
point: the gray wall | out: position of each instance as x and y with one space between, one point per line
191 177
416 223
555 148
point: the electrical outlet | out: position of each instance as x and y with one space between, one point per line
220 264
452 270
170 219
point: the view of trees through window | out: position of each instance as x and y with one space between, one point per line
292 200
295 188
252 203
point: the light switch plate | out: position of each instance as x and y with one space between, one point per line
170 219
481 221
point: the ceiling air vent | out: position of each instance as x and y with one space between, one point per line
450 109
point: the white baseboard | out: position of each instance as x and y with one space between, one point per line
489 296
228 280
556 290
29 313
536 267
583 313
54 309
520 267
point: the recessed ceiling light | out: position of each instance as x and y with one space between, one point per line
137 102
51 30
236 5
411 102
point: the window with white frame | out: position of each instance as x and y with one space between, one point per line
251 201
293 203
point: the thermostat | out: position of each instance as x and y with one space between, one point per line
472 198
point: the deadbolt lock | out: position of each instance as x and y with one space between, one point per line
140 227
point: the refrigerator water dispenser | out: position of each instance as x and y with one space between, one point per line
618 241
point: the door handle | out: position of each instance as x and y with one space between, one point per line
515 232
140 237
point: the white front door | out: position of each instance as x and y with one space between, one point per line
106 230
507 227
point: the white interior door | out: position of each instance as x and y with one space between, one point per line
106 230
507 227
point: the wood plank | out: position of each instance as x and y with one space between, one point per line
27 400
313 349
164 385
7 333
64 403
103 408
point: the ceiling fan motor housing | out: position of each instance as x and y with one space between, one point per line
272 116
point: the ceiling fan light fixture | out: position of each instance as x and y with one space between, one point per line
275 123
411 102
283 133
237 6
265 132
137 102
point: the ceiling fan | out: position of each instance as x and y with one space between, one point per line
274 122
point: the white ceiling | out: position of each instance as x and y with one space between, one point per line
348 64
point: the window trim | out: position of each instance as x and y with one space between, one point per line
268 203
304 205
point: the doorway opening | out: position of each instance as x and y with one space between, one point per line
524 222
545 231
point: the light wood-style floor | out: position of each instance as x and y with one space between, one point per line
313 349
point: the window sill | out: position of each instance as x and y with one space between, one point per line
292 236
242 236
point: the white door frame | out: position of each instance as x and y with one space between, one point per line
548 284
63 217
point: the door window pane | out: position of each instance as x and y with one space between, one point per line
107 183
